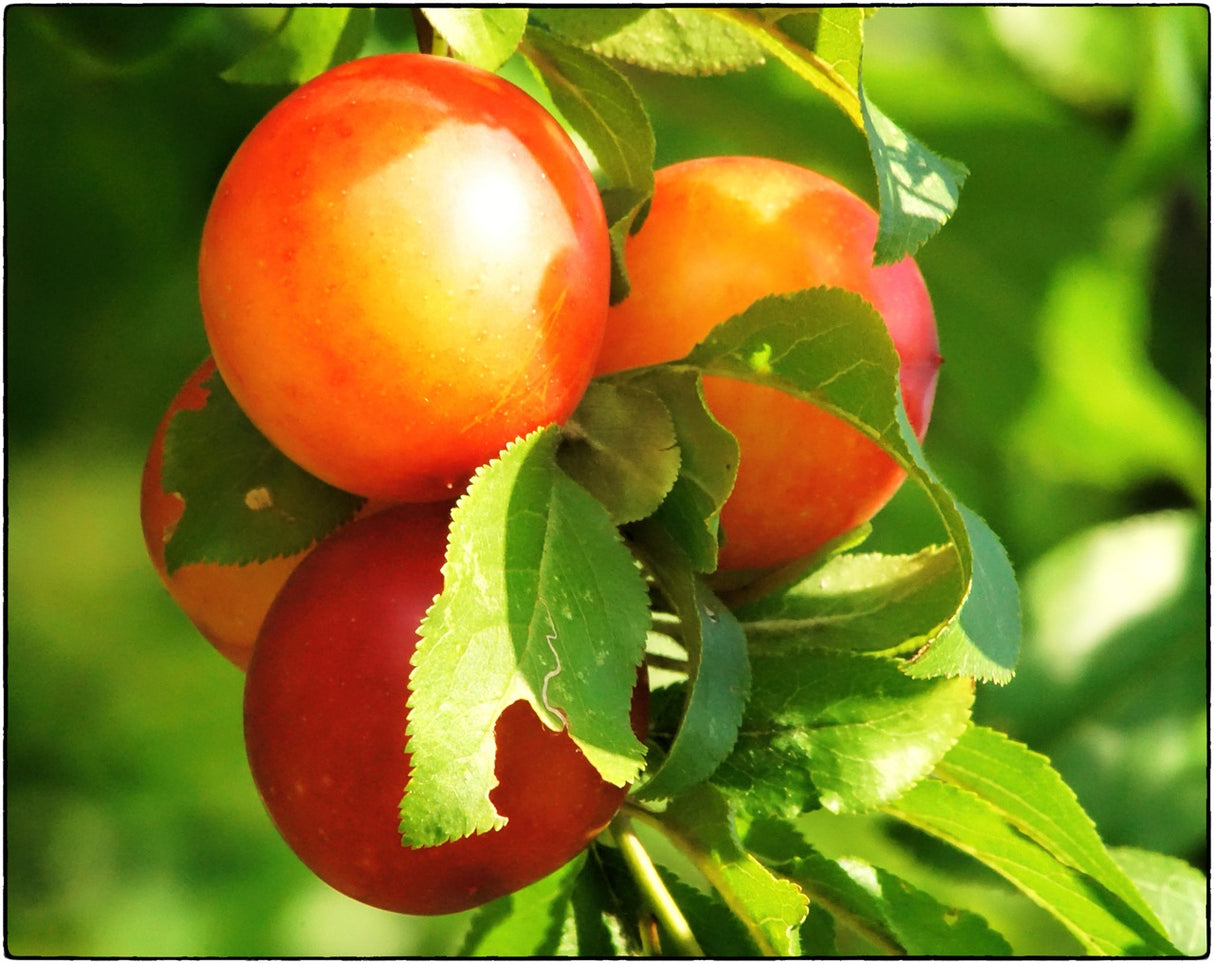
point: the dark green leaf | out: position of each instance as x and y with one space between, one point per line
602 920
718 931
620 445
309 42
484 36
844 731
691 512
541 602
888 912
244 500
678 40
602 107
718 671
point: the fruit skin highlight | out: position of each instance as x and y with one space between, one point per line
325 715
721 233
405 266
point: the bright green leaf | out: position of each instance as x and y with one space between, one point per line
1027 792
678 40
484 36
309 42
620 445
844 731
718 671
1102 922
797 48
1113 683
865 602
1178 893
1103 414
771 908
541 602
244 500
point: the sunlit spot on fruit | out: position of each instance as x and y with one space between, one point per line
491 207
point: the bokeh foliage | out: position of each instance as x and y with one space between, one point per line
1072 294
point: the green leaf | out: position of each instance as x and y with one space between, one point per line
541 602
988 626
887 911
1102 922
528 922
1178 893
718 670
918 188
1028 793
845 731
1113 682
483 36
864 602
604 109
620 445
678 40
244 500
829 347
309 42
691 512
718 931
772 908
834 34
602 919
623 207
823 48
601 105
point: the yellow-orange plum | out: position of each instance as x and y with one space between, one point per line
404 267
721 233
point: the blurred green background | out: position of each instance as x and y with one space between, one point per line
1072 292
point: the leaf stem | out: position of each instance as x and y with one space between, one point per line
804 62
708 867
654 889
